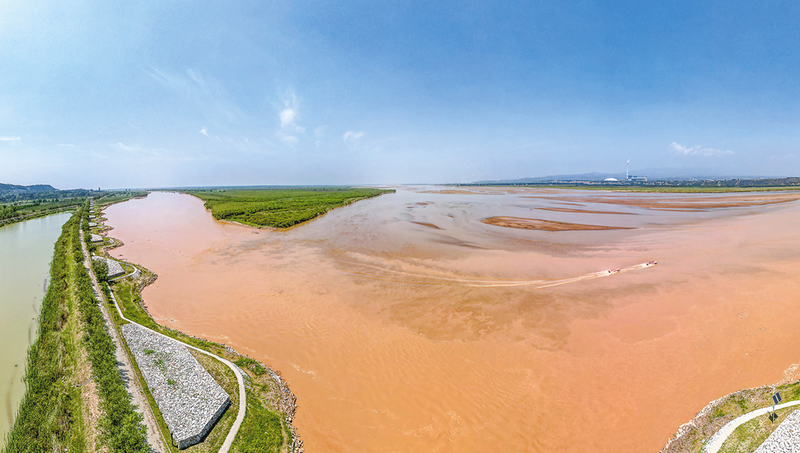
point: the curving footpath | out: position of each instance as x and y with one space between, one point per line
132 275
716 441
226 445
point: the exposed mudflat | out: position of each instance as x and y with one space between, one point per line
585 211
693 202
545 225
473 338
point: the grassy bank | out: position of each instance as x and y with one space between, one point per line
71 374
8 217
269 406
748 437
107 198
18 209
693 436
122 426
279 208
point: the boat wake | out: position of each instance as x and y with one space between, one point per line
416 276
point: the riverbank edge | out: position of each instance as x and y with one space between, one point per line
288 401
56 413
277 228
37 215
692 436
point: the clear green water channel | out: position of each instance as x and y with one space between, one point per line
26 249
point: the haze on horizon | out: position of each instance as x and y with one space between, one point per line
313 92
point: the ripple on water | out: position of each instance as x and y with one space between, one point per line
389 364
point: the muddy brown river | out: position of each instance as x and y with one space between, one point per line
405 324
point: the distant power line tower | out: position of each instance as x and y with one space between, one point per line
627 165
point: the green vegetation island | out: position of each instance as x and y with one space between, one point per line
279 207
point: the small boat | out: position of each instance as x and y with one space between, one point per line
652 263
613 271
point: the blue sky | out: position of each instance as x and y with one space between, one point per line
144 94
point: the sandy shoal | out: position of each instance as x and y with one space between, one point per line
545 225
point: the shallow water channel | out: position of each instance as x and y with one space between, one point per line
26 249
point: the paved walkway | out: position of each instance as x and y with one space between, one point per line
716 441
242 394
132 275
154 436
785 439
226 445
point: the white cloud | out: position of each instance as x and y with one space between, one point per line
318 135
203 131
206 93
290 114
10 139
698 151
138 150
68 145
286 138
352 137
288 117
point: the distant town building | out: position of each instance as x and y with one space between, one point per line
631 178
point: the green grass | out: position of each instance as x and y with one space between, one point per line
17 212
262 429
108 198
50 416
252 365
227 380
279 208
130 303
749 436
727 409
24 207
121 426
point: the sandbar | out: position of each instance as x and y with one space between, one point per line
585 211
545 225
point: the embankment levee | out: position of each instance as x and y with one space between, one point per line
190 400
279 398
75 396
693 435
36 215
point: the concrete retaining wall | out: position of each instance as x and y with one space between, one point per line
189 399
114 268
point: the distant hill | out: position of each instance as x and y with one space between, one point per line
594 176
11 189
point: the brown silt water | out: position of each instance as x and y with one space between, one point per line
405 323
